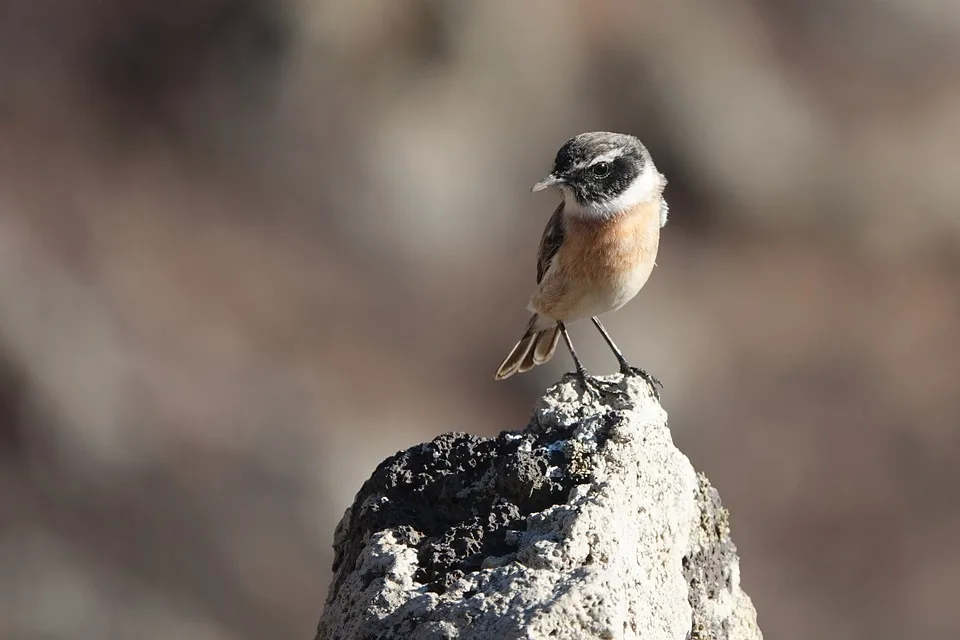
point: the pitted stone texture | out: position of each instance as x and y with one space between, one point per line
589 523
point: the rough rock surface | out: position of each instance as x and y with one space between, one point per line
589 523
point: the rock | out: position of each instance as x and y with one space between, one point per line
589 523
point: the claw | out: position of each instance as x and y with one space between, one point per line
591 386
648 377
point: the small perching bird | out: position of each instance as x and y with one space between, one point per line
598 248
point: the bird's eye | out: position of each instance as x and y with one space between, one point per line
601 169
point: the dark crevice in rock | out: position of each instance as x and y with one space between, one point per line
454 499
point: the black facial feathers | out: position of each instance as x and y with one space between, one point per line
575 164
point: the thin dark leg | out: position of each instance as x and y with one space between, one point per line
625 367
573 352
610 343
587 382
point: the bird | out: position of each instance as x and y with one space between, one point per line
597 250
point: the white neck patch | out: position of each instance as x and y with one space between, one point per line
645 188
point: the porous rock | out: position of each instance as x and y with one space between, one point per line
589 523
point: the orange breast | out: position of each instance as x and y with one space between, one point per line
601 251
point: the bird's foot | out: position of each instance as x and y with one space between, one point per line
649 378
591 386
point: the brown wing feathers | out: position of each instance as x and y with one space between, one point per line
550 242
535 348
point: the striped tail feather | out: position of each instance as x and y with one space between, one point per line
534 348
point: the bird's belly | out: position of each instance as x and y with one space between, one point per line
576 298
617 291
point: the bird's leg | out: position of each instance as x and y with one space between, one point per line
625 367
589 383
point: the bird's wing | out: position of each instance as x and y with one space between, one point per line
550 242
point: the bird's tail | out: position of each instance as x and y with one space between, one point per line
535 347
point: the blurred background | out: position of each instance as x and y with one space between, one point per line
249 248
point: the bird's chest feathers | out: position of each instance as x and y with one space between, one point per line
617 253
614 249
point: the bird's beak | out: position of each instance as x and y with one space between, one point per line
550 181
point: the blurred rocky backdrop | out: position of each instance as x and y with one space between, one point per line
249 248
